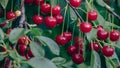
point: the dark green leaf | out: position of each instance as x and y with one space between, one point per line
2 20
1 34
4 3
83 66
100 2
51 44
35 32
58 60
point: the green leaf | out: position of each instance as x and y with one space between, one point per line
118 3
83 66
37 50
4 3
51 44
1 34
35 32
41 63
100 2
58 60
115 59
72 14
95 60
2 20
108 64
2 57
15 34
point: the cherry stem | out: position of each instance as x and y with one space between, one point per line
51 8
82 10
68 19
39 7
66 7
57 1
112 21
4 13
11 5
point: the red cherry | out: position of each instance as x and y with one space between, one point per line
10 15
3 24
30 53
102 34
37 2
37 19
71 50
118 67
28 1
50 22
107 51
95 46
3 49
114 35
85 27
77 58
46 8
27 57
8 31
68 35
59 18
1 11
79 44
99 27
23 40
61 40
22 49
75 3
108 1
56 10
92 15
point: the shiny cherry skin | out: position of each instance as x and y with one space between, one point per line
30 53
95 46
56 10
92 15
50 22
8 31
46 8
37 2
23 40
77 58
37 19
118 66
22 49
10 15
71 50
102 34
68 35
59 18
27 57
114 35
75 3
79 44
28 1
99 27
61 40
85 27
107 51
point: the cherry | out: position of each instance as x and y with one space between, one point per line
95 46
71 50
3 24
107 51
30 53
85 27
23 40
92 15
50 22
68 35
37 19
28 1
37 2
56 10
79 44
99 27
46 8
22 49
102 34
75 3
108 1
10 15
8 31
3 49
114 35
59 18
118 67
27 57
61 40
77 58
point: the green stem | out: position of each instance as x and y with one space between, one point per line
68 19
4 13
58 2
39 8
112 21
12 5
51 8
82 10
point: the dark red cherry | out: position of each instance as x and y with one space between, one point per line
68 35
46 8
8 31
37 2
59 18
99 27
50 22
56 10
95 46
114 35
27 57
28 1
118 66
77 58
85 27
102 34
30 53
107 51
37 19
75 3
3 49
3 24
92 15
61 40
22 49
71 50
79 44
10 15
23 40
